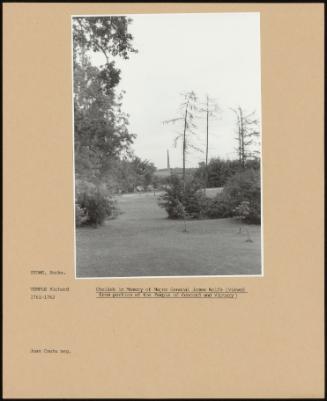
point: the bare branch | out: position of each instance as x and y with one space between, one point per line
173 120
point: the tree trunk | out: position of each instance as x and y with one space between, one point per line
207 149
184 144
242 138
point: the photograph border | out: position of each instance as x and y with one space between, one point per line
261 157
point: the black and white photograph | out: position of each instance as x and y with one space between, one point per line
167 133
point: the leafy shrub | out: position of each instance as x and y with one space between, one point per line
218 208
243 210
80 216
243 193
175 196
94 204
240 198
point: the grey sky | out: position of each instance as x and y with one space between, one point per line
216 54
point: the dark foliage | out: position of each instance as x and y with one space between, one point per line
219 171
217 208
245 187
240 198
175 196
93 204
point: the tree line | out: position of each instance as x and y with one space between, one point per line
240 178
104 161
190 110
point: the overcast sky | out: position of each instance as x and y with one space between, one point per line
216 54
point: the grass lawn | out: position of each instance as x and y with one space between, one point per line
143 242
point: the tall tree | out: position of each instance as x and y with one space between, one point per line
100 126
210 109
108 35
247 126
187 111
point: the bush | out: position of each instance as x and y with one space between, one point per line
243 193
94 204
80 216
243 210
240 198
218 208
174 196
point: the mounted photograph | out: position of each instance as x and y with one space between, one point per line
167 145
